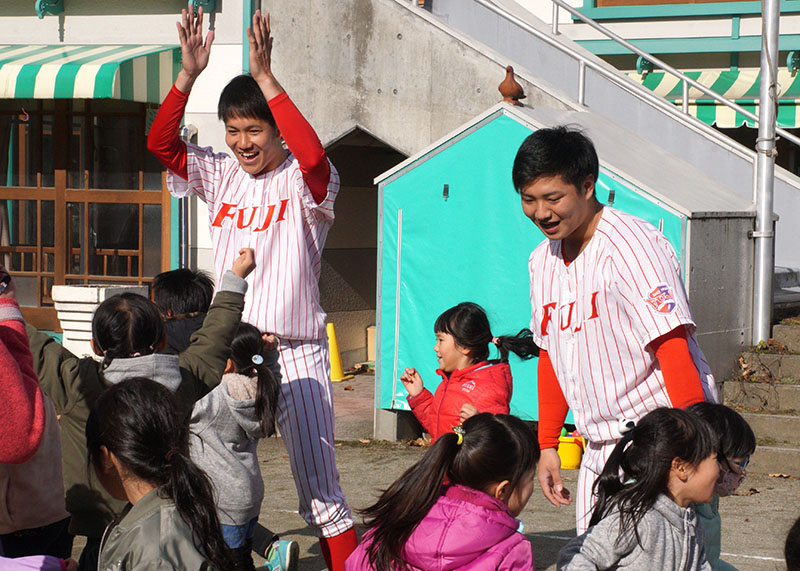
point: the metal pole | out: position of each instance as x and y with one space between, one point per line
685 102
555 19
582 83
765 147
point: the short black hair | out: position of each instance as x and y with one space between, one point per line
736 438
242 97
559 151
183 291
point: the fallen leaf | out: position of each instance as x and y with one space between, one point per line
363 440
779 476
338 445
750 492
349 388
418 442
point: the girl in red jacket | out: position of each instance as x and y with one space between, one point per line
470 382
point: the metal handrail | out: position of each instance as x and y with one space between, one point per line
622 81
666 67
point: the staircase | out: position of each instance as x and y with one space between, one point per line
767 393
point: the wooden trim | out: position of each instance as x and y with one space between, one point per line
107 196
42 318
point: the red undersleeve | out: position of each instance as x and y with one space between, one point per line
552 404
681 379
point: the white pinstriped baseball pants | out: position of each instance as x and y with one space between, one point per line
305 419
594 458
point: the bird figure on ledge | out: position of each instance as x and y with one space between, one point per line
510 89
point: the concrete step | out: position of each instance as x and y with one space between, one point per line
771 459
775 366
768 397
778 429
788 335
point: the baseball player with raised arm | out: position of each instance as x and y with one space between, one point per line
609 311
280 203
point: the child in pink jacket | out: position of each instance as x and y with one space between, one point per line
470 382
468 524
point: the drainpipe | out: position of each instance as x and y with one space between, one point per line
764 234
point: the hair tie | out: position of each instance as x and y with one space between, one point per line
625 425
460 432
170 453
495 340
257 359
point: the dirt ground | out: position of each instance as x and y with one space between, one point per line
754 524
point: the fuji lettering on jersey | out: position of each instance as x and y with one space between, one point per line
258 218
661 299
468 387
567 315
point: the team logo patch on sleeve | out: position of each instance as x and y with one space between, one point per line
661 299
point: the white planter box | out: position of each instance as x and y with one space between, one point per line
76 304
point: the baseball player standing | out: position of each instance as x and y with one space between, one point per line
609 311
281 204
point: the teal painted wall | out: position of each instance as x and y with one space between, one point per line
474 246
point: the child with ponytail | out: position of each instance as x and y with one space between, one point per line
490 465
225 428
128 334
644 517
138 446
470 382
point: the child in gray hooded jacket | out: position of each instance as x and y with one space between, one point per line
644 518
226 426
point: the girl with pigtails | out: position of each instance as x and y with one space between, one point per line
471 383
225 427
645 517
489 464
138 446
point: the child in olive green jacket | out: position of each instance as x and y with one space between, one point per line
127 331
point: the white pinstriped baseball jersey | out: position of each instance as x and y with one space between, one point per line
596 317
275 214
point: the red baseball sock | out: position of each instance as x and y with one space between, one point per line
338 548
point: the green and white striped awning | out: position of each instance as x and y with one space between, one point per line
741 87
130 72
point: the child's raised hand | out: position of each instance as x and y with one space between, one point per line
467 411
270 341
245 263
194 51
412 382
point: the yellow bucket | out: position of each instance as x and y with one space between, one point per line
570 450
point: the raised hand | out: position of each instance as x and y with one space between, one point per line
412 382
466 412
260 47
245 263
194 51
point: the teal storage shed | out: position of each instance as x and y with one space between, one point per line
451 229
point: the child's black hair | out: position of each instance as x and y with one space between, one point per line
183 291
468 324
138 421
791 550
127 325
246 344
494 448
736 438
638 469
242 97
560 151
